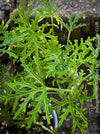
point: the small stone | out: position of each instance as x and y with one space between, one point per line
84 16
88 6
70 2
91 105
94 1
76 5
94 107
80 0
94 10
51 127
67 119
82 7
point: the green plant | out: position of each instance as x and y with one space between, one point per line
4 89
3 78
42 57
72 24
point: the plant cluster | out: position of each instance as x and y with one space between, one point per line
42 57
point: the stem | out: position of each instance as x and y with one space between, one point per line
23 2
38 65
59 85
7 23
57 89
41 124
15 13
68 36
22 5
7 3
52 25
86 76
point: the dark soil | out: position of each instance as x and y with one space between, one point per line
35 129
93 119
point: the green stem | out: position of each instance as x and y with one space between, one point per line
59 86
84 78
41 124
15 13
38 65
57 89
52 25
23 2
69 33
7 23
22 5
7 3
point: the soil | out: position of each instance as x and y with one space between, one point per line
73 6
93 119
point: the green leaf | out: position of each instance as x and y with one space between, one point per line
64 115
32 74
98 46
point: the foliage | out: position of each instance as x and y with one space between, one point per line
72 24
4 89
98 43
42 57
3 78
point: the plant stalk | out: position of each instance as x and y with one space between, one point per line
57 89
52 25
41 124
69 33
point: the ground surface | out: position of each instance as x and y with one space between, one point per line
72 6
92 117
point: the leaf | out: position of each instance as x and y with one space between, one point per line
64 115
42 56
77 17
8 52
76 116
98 46
46 107
72 24
32 74
65 25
